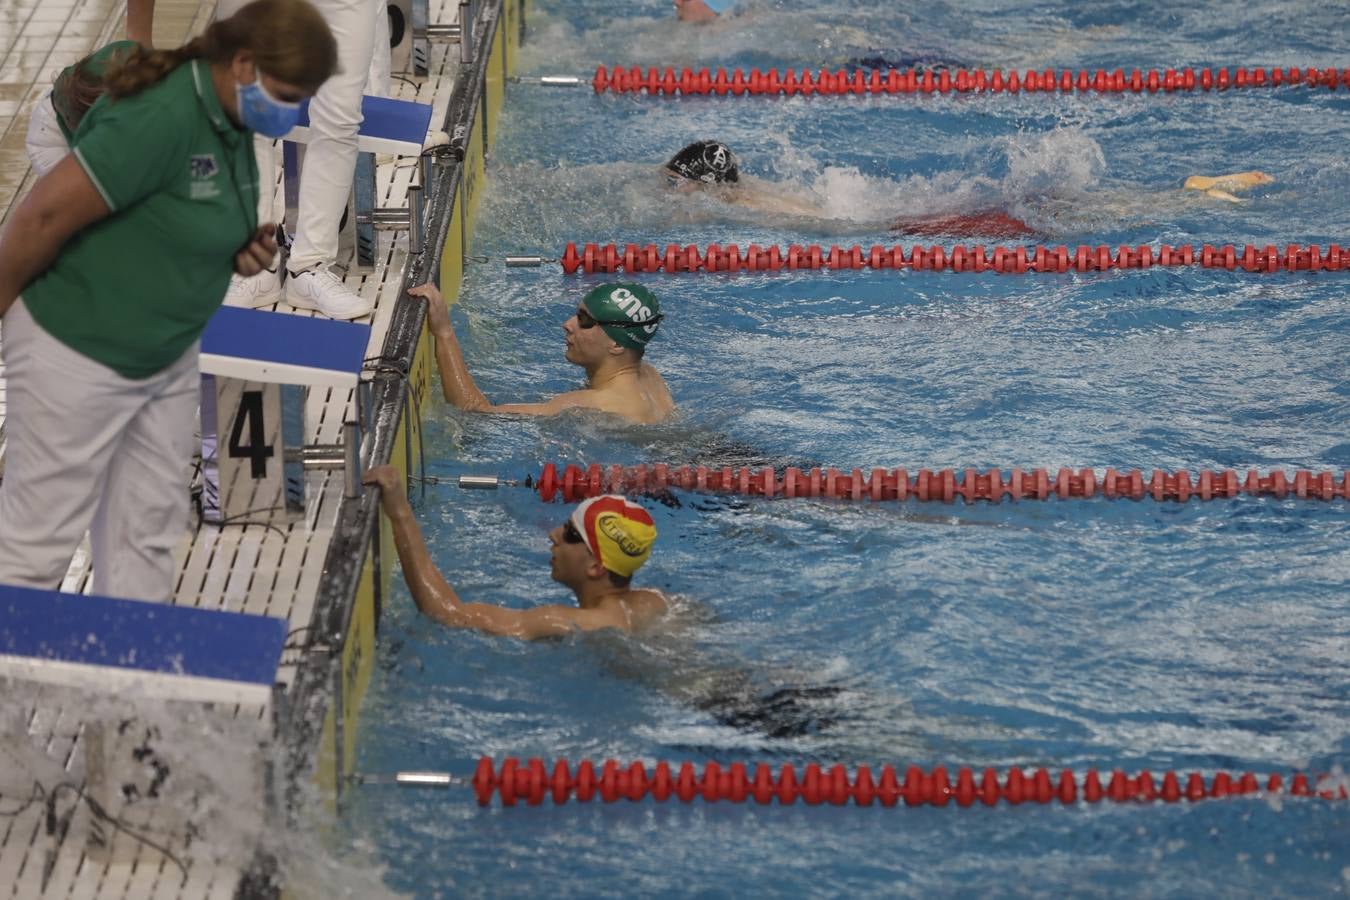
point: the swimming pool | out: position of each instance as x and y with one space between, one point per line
1064 634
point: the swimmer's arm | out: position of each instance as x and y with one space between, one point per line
583 399
526 624
437 600
772 202
1222 187
457 383
140 19
61 203
429 588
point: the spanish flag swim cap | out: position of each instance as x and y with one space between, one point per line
618 533
629 313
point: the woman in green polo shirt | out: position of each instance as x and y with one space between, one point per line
109 271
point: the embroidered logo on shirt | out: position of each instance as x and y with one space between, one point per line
203 168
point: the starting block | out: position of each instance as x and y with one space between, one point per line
396 127
257 369
175 707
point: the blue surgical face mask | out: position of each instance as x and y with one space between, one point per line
263 113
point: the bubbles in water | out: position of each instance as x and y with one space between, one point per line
1064 162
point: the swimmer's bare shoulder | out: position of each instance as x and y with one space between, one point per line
771 198
654 386
646 608
644 399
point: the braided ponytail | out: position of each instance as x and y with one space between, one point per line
144 67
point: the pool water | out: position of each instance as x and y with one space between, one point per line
1061 634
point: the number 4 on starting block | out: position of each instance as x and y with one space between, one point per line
257 369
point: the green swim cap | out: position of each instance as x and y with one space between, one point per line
629 313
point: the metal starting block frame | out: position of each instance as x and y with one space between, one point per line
257 369
397 127
176 713
416 59
411 33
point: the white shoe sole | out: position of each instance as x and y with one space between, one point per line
306 303
259 301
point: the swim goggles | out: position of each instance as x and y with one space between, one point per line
586 320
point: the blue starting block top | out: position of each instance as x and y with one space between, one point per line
145 649
283 348
388 126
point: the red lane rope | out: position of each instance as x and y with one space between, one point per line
656 81
633 258
533 781
575 483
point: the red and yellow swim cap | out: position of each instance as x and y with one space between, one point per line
618 533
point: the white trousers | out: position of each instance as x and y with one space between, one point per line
334 119
45 143
89 450
377 65
361 29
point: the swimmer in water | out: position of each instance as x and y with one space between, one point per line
596 551
1221 187
702 12
618 381
711 167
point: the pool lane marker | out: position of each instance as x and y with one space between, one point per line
575 483
534 781
664 82
672 259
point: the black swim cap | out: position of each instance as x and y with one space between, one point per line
711 162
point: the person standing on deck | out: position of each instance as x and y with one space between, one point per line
618 381
595 553
109 271
313 279
361 28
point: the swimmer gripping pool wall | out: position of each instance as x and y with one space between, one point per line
594 552
711 167
619 381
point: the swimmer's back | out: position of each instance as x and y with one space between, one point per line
994 223
636 611
646 608
640 396
656 396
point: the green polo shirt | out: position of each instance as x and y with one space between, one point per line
95 65
135 290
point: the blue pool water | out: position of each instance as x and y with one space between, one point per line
1075 634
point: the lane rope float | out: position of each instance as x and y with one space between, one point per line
575 483
535 780
634 258
658 81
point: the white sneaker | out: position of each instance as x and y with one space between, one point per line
262 289
323 289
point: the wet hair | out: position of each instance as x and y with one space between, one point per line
289 41
710 162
